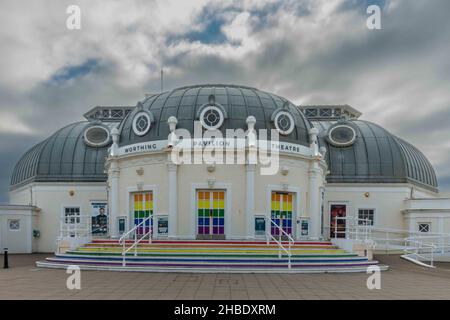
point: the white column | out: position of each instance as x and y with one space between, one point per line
173 199
114 173
250 198
250 175
314 181
314 199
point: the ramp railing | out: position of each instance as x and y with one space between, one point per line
418 247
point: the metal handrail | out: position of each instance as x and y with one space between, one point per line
392 230
417 246
424 251
122 239
359 227
80 228
291 240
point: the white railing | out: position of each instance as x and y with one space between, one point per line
279 241
75 226
417 251
74 231
418 247
422 248
137 240
356 229
352 228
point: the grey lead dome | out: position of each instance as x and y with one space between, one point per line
376 156
239 102
63 157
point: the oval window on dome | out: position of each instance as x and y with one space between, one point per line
342 135
96 136
211 118
141 123
284 122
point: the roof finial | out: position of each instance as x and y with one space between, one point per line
212 99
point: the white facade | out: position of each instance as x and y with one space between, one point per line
17 223
243 188
431 212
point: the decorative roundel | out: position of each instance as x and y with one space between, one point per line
141 123
342 135
284 122
96 136
211 117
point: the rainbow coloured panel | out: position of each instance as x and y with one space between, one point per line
211 212
281 212
142 209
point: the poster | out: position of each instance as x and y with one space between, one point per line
260 226
122 225
99 214
305 227
337 226
163 224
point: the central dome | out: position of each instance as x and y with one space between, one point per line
236 102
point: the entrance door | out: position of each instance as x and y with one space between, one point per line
210 214
142 209
281 212
337 226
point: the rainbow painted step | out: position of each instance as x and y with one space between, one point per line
212 257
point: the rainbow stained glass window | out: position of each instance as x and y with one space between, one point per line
210 212
142 209
281 212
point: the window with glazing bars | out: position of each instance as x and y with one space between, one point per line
72 215
366 214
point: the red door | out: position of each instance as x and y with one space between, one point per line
337 226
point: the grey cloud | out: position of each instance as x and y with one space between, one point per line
398 77
12 148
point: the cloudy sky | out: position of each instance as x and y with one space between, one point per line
309 51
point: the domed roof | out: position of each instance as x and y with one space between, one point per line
375 156
238 103
63 157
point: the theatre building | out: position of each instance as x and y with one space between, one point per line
94 181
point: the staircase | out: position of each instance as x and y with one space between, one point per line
211 256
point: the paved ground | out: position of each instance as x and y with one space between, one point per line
404 281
